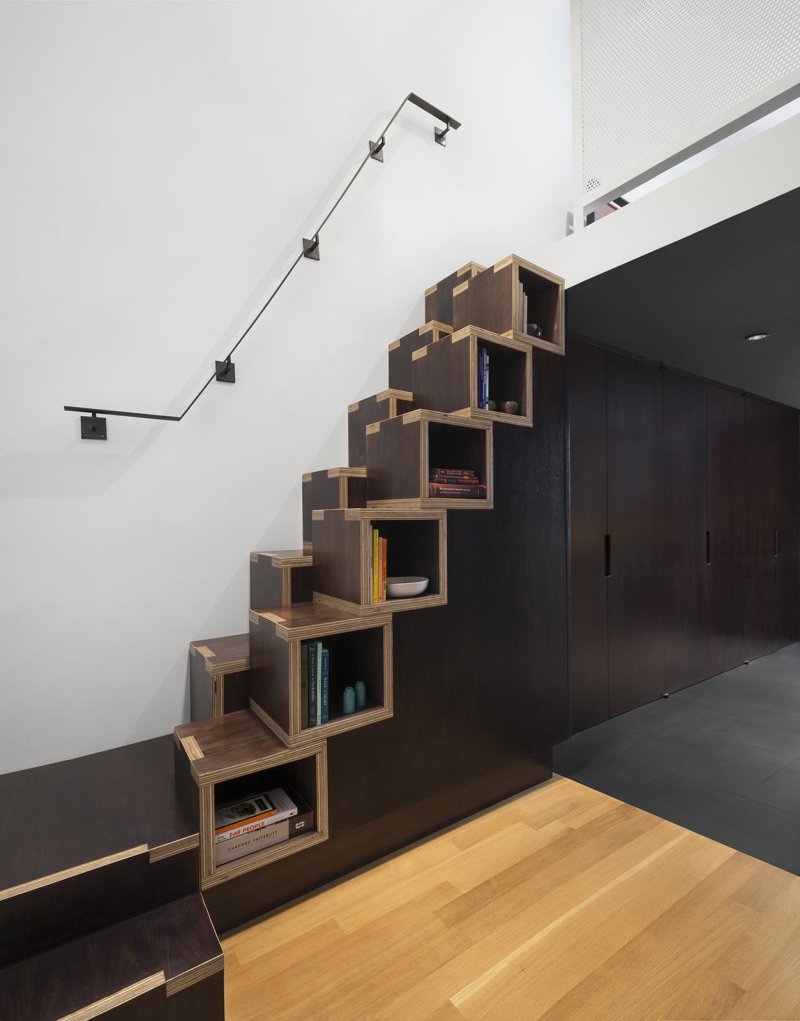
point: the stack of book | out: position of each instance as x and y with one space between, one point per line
314 683
483 378
251 824
377 567
456 483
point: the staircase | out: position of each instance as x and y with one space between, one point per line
103 896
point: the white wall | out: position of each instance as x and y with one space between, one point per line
160 163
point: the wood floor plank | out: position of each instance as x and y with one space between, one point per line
561 904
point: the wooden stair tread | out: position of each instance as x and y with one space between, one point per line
55 836
384 395
344 471
230 745
174 945
285 557
304 620
226 655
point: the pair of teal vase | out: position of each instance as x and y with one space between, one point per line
354 698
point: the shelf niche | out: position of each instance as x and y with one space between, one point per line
496 300
401 453
236 755
360 649
447 376
417 545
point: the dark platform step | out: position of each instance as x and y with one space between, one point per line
146 963
331 487
89 842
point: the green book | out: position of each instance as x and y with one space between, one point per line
303 684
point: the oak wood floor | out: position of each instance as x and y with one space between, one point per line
561 904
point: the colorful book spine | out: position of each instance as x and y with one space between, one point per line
303 684
456 491
325 684
486 379
375 552
384 553
480 377
312 684
466 476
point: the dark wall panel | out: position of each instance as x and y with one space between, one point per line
589 523
726 522
636 528
685 525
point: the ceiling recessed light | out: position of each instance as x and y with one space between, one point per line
756 336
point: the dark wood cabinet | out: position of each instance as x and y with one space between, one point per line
589 523
685 530
634 452
685 527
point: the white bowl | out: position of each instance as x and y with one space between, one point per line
403 588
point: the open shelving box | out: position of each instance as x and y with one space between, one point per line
236 755
498 297
446 376
416 546
360 650
402 452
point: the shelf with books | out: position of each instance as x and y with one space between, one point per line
516 299
233 757
410 460
467 373
345 576
285 686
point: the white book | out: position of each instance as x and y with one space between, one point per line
246 843
284 809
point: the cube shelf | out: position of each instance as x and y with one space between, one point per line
386 404
236 755
439 298
417 545
446 375
360 650
400 351
498 298
219 673
402 452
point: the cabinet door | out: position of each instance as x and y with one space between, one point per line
636 528
788 524
761 446
726 516
685 525
586 368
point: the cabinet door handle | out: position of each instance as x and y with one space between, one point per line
708 549
607 556
775 541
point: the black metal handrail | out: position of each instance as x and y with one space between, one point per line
93 426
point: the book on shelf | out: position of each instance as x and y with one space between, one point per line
383 548
376 542
462 476
303 684
267 835
233 818
457 491
377 570
314 695
483 378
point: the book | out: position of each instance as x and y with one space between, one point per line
303 684
312 684
480 376
246 843
457 491
284 807
233 814
325 684
463 475
375 544
384 552
318 681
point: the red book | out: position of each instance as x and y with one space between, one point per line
475 491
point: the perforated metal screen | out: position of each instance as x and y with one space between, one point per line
653 72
